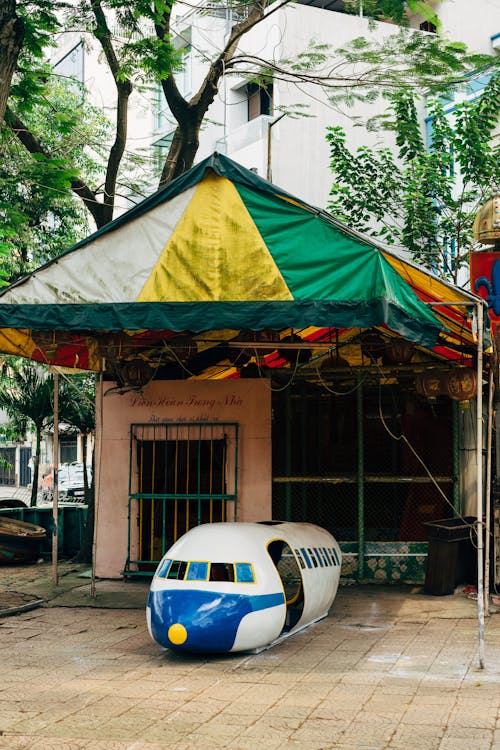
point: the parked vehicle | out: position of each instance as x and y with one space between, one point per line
70 483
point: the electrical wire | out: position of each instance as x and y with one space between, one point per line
403 437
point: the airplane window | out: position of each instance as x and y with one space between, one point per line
335 556
322 552
221 572
163 569
177 570
306 557
313 557
197 571
300 558
319 557
327 555
244 573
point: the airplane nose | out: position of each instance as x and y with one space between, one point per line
177 634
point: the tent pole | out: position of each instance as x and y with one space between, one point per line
97 480
479 461
55 501
361 481
491 390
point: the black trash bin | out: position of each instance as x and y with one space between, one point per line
451 554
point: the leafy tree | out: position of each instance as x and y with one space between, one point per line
11 41
143 55
40 217
78 398
78 395
27 396
423 200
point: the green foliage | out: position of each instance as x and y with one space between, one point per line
77 393
39 215
396 10
27 395
422 200
366 69
41 22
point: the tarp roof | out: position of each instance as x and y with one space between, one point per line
220 248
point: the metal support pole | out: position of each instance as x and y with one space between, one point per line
361 482
55 503
288 455
456 459
491 391
269 171
479 462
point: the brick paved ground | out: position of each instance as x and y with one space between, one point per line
390 668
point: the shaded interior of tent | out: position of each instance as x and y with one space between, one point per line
370 386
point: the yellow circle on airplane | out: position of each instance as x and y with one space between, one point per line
177 634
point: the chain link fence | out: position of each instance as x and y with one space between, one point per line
376 464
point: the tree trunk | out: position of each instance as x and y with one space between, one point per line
36 467
182 152
11 41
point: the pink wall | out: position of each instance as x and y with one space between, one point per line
247 402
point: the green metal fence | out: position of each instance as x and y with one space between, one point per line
72 518
340 461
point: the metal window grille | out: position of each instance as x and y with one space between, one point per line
8 467
181 475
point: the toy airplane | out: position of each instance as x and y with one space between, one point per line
227 587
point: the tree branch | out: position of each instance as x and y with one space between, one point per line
11 41
124 89
33 146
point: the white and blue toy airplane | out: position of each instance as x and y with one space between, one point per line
242 586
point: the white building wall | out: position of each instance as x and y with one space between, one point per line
299 151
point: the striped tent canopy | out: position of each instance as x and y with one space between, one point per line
218 259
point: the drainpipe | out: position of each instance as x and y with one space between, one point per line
269 172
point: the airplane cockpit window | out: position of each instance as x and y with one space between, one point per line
244 573
221 572
163 569
197 571
177 570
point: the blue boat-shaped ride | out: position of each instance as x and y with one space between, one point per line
227 587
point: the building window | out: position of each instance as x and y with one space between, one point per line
68 452
260 100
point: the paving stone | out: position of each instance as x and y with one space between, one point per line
404 679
